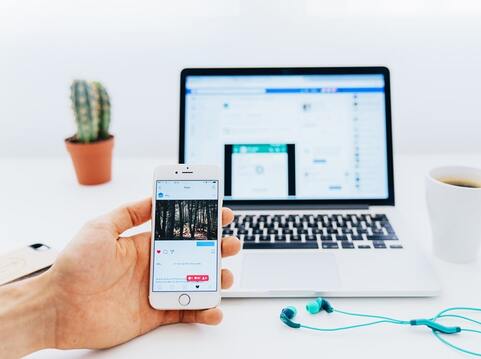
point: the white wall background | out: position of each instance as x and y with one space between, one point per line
138 47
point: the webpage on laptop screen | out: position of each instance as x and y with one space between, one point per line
290 137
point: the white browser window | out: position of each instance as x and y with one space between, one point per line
335 125
259 171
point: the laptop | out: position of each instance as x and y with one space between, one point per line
308 169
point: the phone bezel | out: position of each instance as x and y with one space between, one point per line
198 300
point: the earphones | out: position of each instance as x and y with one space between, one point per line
320 304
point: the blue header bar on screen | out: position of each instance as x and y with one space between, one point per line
323 90
187 190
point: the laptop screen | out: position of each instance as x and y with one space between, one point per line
290 136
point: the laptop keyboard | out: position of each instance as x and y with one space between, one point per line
327 232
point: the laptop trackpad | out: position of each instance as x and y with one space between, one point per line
289 271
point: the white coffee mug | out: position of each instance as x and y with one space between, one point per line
454 204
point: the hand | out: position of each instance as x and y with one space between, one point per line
101 283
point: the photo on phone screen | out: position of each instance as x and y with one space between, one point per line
185 254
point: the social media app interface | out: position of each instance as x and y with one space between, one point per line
185 238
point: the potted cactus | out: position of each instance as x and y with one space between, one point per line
91 147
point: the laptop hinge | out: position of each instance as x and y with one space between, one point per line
295 206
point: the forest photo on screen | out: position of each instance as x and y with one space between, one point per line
186 219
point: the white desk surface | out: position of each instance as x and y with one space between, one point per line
40 201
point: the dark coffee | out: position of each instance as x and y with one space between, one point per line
461 182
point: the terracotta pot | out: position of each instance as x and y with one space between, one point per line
92 161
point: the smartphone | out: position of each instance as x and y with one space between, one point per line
26 262
186 237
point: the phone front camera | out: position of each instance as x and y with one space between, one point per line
176 172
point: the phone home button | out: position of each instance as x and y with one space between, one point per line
184 299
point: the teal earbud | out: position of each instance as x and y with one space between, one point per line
320 304
287 314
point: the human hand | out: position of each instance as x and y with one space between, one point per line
100 283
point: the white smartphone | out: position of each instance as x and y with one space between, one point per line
185 250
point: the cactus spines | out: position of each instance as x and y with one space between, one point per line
91 105
104 111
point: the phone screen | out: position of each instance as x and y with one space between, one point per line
185 236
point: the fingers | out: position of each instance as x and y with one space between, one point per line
227 216
130 215
230 246
211 316
227 279
142 242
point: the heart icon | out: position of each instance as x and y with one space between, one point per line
197 286
158 251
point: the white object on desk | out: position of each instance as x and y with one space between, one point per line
455 213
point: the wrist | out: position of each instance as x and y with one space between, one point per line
27 314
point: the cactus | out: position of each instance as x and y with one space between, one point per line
91 105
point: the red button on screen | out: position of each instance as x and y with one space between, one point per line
197 278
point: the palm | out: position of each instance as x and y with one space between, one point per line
102 284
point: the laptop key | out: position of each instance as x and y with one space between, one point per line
311 237
341 238
396 246
347 245
379 217
378 237
249 239
295 238
326 238
264 238
356 237
280 238
280 245
363 246
378 244
389 229
329 245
